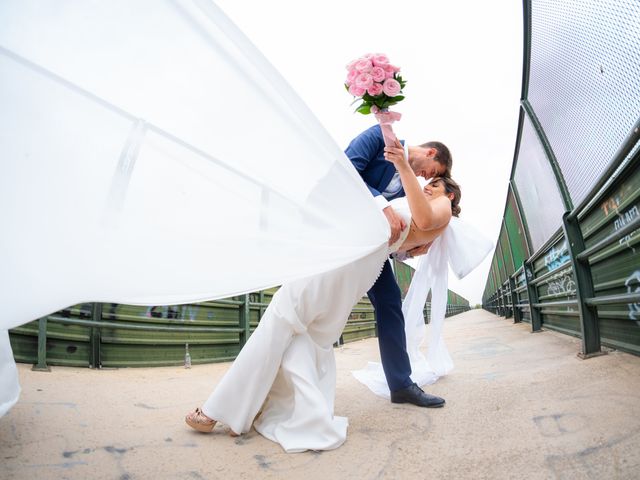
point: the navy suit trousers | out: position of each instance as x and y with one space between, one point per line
387 302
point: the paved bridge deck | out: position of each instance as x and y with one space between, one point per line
519 405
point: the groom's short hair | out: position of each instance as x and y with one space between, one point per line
443 157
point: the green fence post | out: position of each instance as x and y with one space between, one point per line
514 301
261 300
508 300
584 288
42 366
244 321
95 337
536 317
505 302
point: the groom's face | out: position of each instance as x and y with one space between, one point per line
427 167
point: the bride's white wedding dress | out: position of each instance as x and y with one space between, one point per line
287 369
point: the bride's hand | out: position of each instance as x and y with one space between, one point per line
395 154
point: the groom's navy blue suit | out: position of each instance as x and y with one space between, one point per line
366 152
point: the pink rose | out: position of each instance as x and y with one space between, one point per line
391 87
375 89
378 74
364 80
364 65
380 60
351 65
356 91
351 76
389 71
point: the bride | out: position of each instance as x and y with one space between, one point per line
286 371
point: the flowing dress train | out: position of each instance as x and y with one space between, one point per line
287 368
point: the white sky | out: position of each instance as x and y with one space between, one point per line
463 63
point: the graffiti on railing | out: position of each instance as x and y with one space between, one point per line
564 284
529 274
633 286
557 257
611 204
177 312
163 311
624 219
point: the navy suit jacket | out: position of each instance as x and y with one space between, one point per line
366 152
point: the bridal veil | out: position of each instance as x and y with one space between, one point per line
151 155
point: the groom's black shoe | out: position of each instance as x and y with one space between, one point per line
414 394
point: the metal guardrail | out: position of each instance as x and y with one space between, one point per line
578 267
609 240
146 327
593 267
97 326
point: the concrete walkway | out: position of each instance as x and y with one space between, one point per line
519 405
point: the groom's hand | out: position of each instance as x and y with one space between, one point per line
396 223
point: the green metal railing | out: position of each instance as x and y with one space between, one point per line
110 335
576 310
585 279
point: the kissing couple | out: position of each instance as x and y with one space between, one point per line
283 381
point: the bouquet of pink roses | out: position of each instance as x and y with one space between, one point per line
378 84
375 81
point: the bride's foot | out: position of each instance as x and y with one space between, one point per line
199 421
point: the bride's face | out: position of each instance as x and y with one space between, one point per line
435 189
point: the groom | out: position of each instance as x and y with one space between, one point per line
431 159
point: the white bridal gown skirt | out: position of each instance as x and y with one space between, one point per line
287 368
